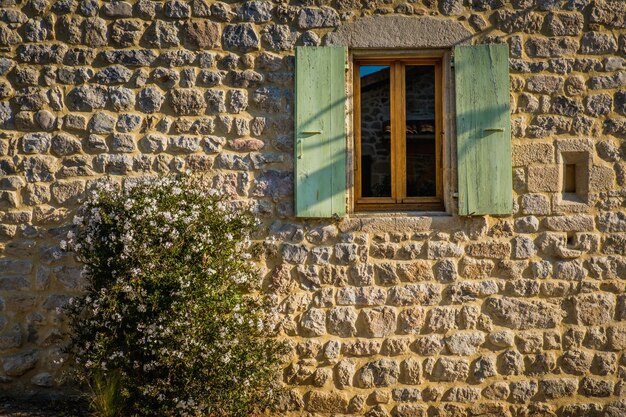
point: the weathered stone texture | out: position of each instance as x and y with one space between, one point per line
521 314
389 315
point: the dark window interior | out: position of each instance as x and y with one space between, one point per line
421 159
375 131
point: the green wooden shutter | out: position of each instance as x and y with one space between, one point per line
320 136
483 125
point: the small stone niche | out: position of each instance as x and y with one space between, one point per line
574 176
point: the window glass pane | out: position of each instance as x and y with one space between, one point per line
421 158
375 131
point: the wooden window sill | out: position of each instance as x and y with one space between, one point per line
397 213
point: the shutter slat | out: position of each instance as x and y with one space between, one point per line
320 137
483 130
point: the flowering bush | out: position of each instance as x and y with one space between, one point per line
166 312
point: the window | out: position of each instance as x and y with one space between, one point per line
398 160
398 134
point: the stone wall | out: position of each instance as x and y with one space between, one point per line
388 315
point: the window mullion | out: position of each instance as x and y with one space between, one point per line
439 128
357 130
392 123
401 137
396 133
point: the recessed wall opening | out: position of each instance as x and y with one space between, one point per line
569 178
574 176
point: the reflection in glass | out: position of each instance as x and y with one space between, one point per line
375 131
421 159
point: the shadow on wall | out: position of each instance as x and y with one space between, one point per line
471 125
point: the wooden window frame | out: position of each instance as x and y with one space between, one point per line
398 200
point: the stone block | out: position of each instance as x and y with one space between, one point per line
601 178
484 367
545 84
462 394
43 379
362 348
130 57
555 47
598 104
364 296
533 153
523 391
326 402
344 373
511 362
240 37
464 343
611 13
615 244
594 309
411 320
393 31
517 21
466 291
570 270
201 34
523 247
564 24
524 314
593 387
67 192
314 17
187 101
566 106
441 249
126 32
19 363
558 388
450 369
604 364
378 322
527 103
411 372
409 410
442 319
597 43
415 271
380 373
446 271
313 322
603 82
616 337
576 362
544 178
342 321
279 37
574 223
476 268
412 294
491 249
11 338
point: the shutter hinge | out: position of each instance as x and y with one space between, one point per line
455 195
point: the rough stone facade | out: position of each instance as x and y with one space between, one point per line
408 315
